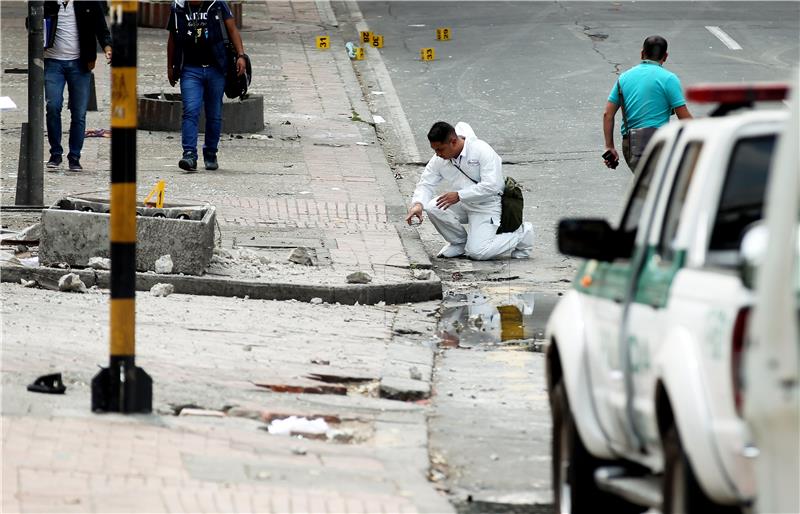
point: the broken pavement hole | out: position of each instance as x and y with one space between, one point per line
339 379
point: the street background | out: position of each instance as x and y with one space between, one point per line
438 412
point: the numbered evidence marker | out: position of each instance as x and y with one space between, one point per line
377 41
366 36
323 42
443 34
427 54
359 54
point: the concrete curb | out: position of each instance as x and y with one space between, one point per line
365 294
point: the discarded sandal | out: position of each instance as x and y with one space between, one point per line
50 384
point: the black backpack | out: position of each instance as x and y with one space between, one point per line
235 84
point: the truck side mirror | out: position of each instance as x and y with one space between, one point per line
589 238
752 252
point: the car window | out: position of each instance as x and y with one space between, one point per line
742 200
677 198
633 213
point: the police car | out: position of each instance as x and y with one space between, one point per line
771 373
644 359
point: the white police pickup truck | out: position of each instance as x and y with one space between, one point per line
644 357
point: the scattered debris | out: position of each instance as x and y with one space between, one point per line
316 301
50 384
359 277
301 255
378 119
164 264
100 263
321 362
261 137
71 282
362 143
351 49
21 249
98 133
414 373
494 456
162 289
207 413
8 258
332 145
27 283
299 450
422 274
294 425
345 435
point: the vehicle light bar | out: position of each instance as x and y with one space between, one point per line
738 93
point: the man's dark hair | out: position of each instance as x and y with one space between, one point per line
654 48
441 132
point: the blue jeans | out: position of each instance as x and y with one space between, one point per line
201 85
57 73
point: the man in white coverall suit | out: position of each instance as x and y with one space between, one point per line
473 173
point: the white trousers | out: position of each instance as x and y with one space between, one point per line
481 240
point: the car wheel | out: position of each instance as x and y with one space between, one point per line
574 488
682 493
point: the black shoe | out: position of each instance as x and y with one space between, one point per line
54 162
211 161
188 162
74 164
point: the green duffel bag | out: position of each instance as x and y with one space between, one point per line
511 217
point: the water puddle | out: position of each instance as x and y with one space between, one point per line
478 319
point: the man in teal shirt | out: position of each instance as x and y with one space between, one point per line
649 96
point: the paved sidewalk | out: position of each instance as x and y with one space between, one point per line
315 177
210 352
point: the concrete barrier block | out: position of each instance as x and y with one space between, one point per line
74 236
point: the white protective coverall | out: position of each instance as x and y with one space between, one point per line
479 206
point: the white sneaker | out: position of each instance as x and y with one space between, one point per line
525 246
450 250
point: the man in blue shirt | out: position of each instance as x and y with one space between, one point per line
650 94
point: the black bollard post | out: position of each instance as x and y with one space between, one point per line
123 387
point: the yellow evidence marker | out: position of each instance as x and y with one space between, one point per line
158 192
323 42
427 54
366 36
443 33
359 54
377 41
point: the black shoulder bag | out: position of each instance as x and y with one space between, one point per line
512 203
235 85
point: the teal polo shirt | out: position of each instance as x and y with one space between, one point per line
650 93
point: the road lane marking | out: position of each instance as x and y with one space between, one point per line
725 38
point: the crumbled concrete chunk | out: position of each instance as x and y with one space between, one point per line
422 274
162 289
301 255
359 277
414 373
71 282
164 264
100 263
316 301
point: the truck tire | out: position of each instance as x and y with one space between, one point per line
574 488
682 493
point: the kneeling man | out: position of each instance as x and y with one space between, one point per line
473 174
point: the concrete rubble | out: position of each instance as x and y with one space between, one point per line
71 283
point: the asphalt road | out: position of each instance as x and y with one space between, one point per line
532 79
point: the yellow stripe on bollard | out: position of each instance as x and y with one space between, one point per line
123 213
123 326
123 97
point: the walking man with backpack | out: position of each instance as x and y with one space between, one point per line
196 56
647 94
